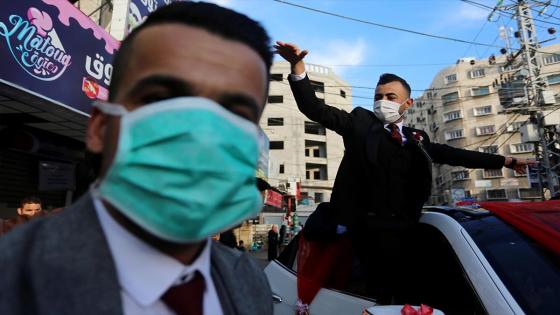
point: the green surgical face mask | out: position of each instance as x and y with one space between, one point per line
184 168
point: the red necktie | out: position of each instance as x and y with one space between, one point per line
186 299
395 134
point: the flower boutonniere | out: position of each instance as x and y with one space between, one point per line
418 136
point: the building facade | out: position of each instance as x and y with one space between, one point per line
468 105
304 155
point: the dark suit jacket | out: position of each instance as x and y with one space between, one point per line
361 132
62 265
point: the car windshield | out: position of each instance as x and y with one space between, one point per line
531 273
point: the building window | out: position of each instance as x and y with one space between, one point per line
319 197
521 148
439 180
276 77
493 173
485 130
315 149
315 128
478 73
343 93
449 116
450 97
318 86
482 110
553 79
429 95
451 78
529 193
281 170
514 126
276 121
480 91
275 99
496 194
454 134
550 59
276 145
315 171
492 149
460 175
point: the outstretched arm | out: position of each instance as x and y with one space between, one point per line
312 107
444 154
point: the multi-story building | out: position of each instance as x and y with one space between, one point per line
466 106
303 152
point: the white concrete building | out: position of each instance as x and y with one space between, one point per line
302 151
464 107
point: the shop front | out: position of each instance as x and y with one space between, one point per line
55 62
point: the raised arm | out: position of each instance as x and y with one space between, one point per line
312 107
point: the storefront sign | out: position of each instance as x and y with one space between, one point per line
483 183
509 182
56 176
138 10
51 48
273 199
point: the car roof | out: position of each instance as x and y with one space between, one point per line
460 214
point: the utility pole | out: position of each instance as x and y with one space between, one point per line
547 147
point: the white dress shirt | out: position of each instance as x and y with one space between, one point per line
145 274
400 125
298 77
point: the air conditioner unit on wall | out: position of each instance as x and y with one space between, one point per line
529 133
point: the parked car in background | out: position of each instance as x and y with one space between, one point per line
469 261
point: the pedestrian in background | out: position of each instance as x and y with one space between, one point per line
241 246
29 208
273 243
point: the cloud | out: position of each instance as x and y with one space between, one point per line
339 52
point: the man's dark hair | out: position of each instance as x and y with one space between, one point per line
389 77
262 185
210 17
29 199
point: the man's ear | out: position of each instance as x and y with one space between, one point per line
19 211
409 103
95 136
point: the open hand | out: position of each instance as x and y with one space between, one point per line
521 164
292 54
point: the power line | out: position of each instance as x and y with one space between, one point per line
550 4
396 28
476 4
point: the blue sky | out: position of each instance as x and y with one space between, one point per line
334 41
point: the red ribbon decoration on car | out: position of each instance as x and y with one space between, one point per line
423 310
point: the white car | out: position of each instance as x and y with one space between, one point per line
474 264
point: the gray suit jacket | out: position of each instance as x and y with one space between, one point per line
62 265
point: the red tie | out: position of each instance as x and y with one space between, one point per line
395 134
186 299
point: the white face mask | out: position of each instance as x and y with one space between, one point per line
387 111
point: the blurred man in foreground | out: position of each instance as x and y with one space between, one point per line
179 151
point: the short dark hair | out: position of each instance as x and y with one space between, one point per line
29 199
262 184
208 16
389 77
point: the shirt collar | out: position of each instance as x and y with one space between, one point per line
144 272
